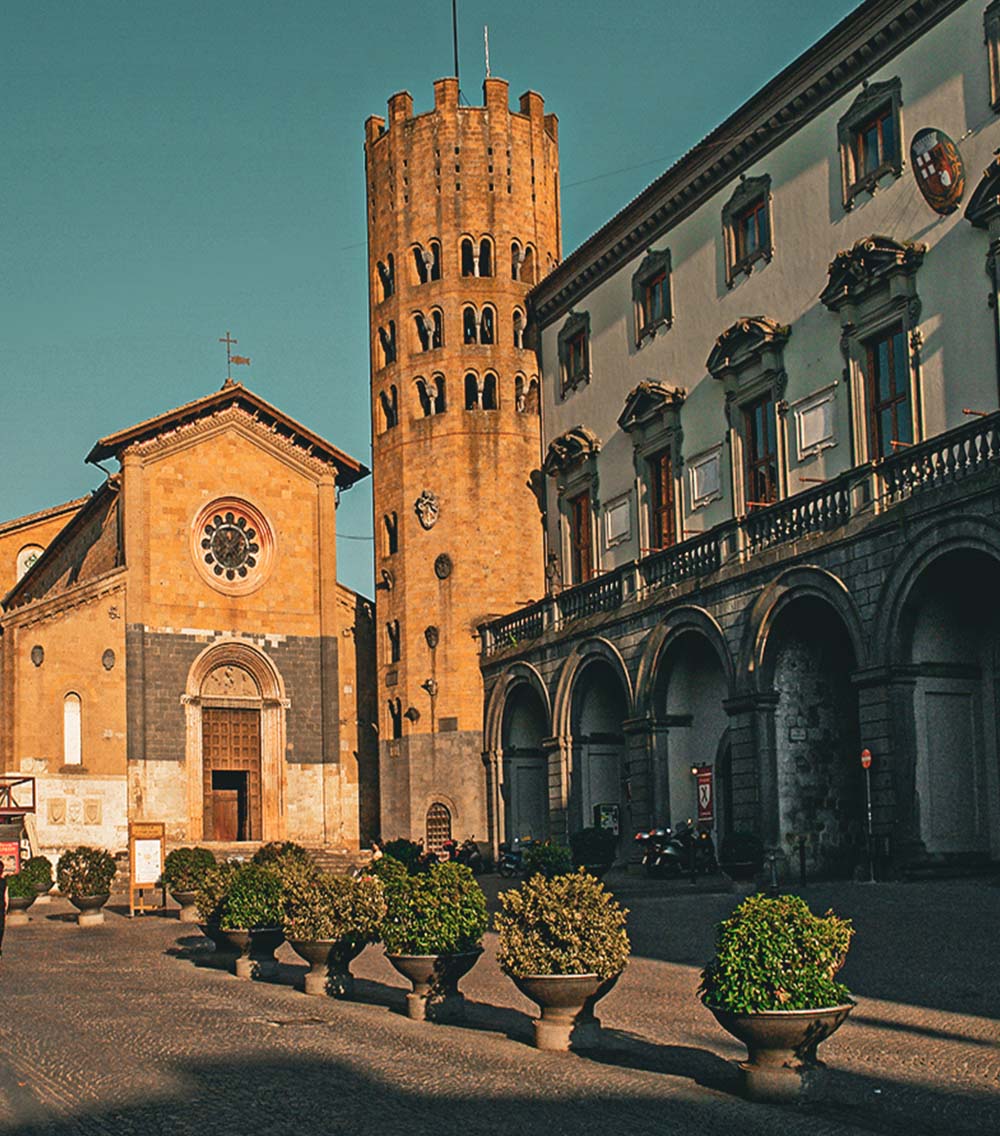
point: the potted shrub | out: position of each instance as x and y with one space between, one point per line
250 918
210 896
184 869
594 849
741 855
772 985
563 942
281 853
433 930
85 876
328 922
21 894
39 869
546 859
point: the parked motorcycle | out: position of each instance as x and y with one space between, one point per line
466 853
511 861
662 855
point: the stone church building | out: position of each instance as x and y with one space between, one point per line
176 647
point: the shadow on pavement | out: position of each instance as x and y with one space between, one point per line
630 1051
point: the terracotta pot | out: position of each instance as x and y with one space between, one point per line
255 951
567 1004
435 981
330 965
17 909
781 1046
185 900
90 908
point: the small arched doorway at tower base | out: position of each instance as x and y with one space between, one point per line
525 773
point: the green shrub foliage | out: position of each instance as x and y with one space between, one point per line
774 954
21 884
406 852
349 911
593 846
184 869
39 870
566 925
210 895
441 911
85 871
253 899
546 859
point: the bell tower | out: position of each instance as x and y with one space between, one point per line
463 218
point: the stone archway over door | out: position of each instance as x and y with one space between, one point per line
525 788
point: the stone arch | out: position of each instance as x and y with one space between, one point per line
795 584
268 697
515 675
679 621
581 655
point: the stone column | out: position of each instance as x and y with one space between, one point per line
754 764
493 767
560 760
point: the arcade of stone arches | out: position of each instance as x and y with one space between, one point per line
778 696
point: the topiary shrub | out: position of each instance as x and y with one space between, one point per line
593 846
566 925
546 859
184 869
437 912
210 895
253 899
39 870
85 871
775 954
21 884
346 910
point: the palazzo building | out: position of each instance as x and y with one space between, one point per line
176 647
771 435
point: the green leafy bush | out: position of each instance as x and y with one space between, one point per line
774 954
21 884
39 871
407 852
85 871
185 868
253 899
546 859
335 907
441 911
210 895
593 846
565 925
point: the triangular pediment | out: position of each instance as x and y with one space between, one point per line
647 402
569 449
233 405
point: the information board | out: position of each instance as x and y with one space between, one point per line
10 854
146 841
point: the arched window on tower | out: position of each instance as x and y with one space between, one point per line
472 391
516 255
430 329
519 325
436 392
435 267
387 339
427 262
391 523
395 718
488 398
470 265
470 325
481 391
392 638
487 325
526 394
388 400
528 265
72 730
423 396
485 257
386 275
26 558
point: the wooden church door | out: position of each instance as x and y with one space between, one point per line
231 764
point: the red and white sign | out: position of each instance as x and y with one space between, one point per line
866 758
706 803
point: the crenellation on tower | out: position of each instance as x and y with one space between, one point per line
463 219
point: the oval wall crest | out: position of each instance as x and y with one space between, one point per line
938 168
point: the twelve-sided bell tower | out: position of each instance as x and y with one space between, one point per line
463 217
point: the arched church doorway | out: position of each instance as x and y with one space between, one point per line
951 643
690 691
437 827
525 784
809 659
599 708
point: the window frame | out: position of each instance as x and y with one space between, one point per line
580 531
755 460
655 267
876 103
991 31
752 197
575 330
894 335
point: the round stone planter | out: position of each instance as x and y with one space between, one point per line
90 908
17 909
435 980
567 1005
255 951
781 1046
42 892
329 965
185 899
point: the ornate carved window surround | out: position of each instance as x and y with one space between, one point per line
747 227
872 287
571 461
870 135
748 359
652 295
652 418
574 352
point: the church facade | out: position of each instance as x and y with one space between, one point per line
180 650
771 436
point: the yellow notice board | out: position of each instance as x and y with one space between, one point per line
146 841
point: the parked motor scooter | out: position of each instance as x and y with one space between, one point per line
511 861
696 847
662 855
469 855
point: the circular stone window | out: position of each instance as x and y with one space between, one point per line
232 545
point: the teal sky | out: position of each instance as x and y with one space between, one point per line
171 171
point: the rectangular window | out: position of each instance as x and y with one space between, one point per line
662 527
750 232
655 300
760 456
576 357
869 134
581 564
890 418
874 144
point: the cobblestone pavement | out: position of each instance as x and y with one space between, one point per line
129 1028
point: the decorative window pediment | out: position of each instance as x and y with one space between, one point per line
749 351
983 210
651 403
870 136
747 227
873 266
571 450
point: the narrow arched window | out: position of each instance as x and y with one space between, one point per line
391 523
488 393
423 395
392 637
26 558
436 392
468 258
471 391
437 333
396 718
387 339
515 261
388 400
487 322
425 329
386 277
519 322
485 257
470 326
435 266
422 261
72 730
528 265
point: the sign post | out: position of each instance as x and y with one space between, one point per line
145 860
866 765
706 794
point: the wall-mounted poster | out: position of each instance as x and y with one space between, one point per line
10 854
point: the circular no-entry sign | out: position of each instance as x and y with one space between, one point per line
866 758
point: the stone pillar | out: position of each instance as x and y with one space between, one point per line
648 782
560 759
493 766
754 764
